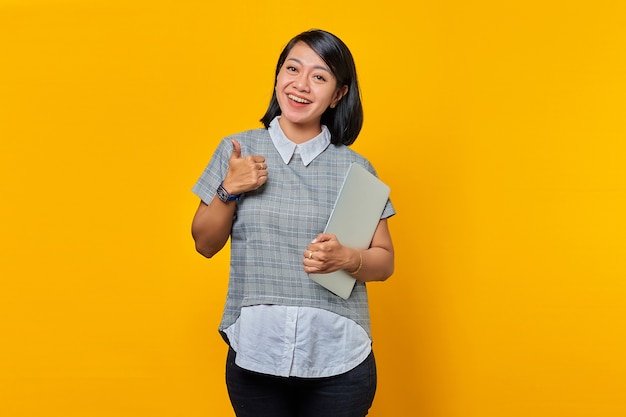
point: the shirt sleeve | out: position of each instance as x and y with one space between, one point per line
388 211
214 173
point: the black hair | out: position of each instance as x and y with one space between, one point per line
344 121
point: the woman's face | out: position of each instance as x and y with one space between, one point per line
305 88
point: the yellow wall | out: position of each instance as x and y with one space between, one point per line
499 125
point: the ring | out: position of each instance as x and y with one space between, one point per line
310 254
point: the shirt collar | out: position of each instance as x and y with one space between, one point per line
308 150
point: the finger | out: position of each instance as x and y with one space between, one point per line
256 162
236 149
323 237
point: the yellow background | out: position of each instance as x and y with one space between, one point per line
499 126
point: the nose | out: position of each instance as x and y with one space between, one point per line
301 83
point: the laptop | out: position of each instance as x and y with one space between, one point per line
354 219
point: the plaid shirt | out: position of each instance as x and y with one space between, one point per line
274 224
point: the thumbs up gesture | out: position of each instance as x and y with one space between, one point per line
245 173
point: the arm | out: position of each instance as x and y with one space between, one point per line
326 254
213 222
211 226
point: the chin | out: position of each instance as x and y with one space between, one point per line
296 120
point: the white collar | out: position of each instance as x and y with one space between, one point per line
308 150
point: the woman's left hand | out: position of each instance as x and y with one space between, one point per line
326 254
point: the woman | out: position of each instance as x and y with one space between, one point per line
296 349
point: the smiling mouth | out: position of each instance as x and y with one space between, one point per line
298 99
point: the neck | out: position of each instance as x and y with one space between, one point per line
299 133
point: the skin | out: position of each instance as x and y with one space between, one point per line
305 77
305 88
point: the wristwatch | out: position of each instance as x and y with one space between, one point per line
225 196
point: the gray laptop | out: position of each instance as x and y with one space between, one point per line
353 220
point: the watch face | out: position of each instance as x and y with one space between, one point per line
225 196
222 194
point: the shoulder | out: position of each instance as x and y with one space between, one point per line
348 156
253 140
249 135
248 139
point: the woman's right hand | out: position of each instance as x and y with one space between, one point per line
244 173
212 222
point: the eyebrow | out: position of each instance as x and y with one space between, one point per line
315 66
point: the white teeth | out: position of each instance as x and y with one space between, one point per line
298 99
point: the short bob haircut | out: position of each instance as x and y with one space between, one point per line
344 121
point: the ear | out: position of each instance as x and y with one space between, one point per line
338 96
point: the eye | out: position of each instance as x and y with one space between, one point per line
319 78
290 68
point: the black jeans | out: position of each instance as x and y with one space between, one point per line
258 395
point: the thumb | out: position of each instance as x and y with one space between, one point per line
236 149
